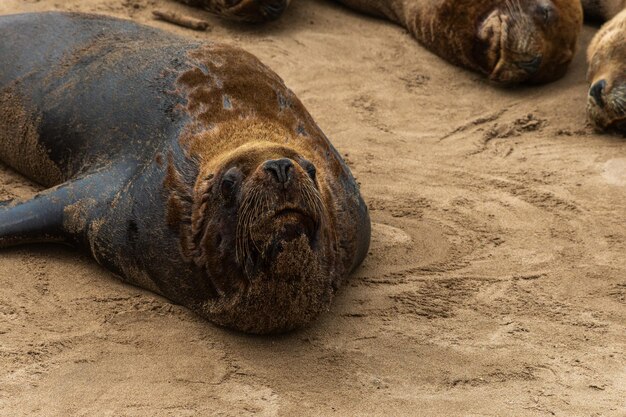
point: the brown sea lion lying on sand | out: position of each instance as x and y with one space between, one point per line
509 41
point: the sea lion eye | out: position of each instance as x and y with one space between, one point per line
230 180
312 171
545 13
309 168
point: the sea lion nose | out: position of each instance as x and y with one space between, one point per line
531 66
279 169
596 92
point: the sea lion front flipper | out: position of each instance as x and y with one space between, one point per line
39 219
56 215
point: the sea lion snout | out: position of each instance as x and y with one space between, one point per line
596 92
291 201
532 65
283 246
606 105
530 41
279 169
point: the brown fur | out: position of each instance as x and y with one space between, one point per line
607 61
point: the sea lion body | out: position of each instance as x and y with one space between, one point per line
602 9
188 169
606 108
254 11
509 41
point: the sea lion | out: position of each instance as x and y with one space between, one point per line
602 9
254 11
606 104
188 169
509 41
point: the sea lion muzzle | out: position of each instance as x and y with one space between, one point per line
596 92
281 205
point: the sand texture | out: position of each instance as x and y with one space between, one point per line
495 286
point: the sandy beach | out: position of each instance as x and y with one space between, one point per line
495 283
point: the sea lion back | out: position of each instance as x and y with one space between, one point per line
58 69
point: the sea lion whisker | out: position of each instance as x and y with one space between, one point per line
518 8
316 202
507 5
244 212
256 196
247 214
257 215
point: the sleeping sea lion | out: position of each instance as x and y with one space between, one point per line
509 41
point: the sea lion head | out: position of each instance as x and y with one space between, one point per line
528 40
264 234
606 105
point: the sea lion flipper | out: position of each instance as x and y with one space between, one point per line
57 215
39 219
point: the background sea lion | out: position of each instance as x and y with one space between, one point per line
510 41
243 10
606 54
602 9
188 169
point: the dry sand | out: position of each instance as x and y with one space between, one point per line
496 283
